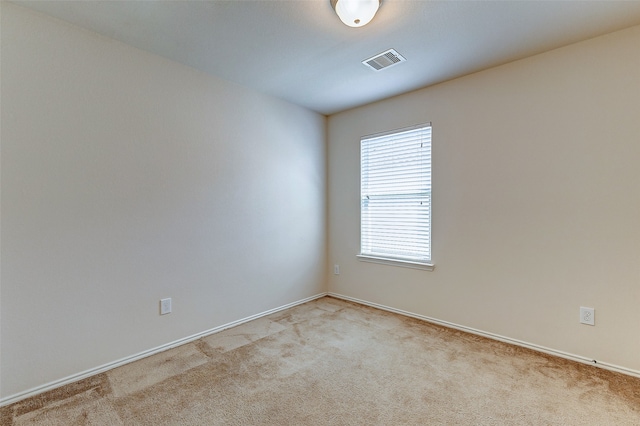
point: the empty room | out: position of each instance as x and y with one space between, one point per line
319 212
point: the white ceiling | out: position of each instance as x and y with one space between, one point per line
301 52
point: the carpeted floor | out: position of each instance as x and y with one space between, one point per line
331 362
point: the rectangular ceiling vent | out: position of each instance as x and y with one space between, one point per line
384 60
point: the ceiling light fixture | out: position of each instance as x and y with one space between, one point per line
355 13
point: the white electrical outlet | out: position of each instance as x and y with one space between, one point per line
165 306
587 316
336 269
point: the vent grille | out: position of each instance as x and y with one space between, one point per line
384 60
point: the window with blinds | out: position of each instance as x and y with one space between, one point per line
395 196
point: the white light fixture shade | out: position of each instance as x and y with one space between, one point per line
356 13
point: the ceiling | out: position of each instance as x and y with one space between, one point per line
301 52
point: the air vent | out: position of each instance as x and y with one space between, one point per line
384 60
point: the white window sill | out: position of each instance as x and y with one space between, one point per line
396 262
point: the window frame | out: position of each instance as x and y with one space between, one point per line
390 259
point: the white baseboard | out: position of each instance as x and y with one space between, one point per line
561 354
111 365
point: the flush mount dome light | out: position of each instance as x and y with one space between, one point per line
355 13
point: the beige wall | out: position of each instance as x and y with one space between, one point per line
127 178
536 200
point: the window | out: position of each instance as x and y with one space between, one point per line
395 197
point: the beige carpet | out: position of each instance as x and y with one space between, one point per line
331 362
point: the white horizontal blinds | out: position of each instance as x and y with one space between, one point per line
396 195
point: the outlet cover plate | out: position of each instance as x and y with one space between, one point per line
587 316
165 306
